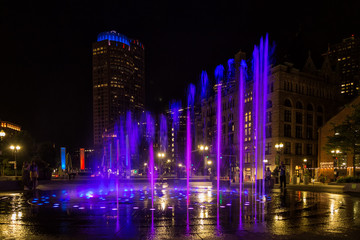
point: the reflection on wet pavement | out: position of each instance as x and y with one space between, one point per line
125 213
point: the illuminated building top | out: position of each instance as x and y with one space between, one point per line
9 125
113 36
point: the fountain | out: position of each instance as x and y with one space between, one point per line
122 193
241 126
260 75
219 75
190 106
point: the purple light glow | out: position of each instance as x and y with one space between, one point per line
219 74
241 127
191 98
151 171
260 70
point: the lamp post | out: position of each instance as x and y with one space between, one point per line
145 165
203 149
15 149
2 134
335 153
278 147
161 156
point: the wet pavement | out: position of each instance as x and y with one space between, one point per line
110 210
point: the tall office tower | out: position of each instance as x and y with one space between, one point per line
345 56
118 81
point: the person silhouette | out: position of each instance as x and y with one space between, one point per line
282 175
34 174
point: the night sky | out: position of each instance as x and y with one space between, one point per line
46 65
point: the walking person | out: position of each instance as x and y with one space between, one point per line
34 174
282 175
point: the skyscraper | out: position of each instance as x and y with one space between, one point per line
345 56
118 80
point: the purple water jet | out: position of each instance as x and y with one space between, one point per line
150 136
241 128
190 105
219 75
260 71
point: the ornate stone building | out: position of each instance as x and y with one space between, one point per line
298 103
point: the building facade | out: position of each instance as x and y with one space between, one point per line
337 162
298 103
118 81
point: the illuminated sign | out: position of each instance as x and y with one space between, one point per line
82 159
62 157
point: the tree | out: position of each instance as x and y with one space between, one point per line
347 136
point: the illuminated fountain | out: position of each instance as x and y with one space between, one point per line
121 193
260 76
150 132
241 127
219 75
190 107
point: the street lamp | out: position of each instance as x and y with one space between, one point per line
203 149
335 153
2 134
305 161
15 149
279 147
161 155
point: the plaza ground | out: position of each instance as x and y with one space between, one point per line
65 209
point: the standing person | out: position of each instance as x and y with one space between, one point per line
34 174
26 174
282 175
267 178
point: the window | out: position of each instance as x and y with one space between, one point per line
298 148
268 148
231 139
287 130
319 109
268 117
247 157
268 131
298 132
319 121
309 133
310 107
231 127
268 104
287 116
299 117
309 119
287 103
309 149
299 105
287 149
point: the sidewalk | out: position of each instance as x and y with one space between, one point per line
315 187
311 187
